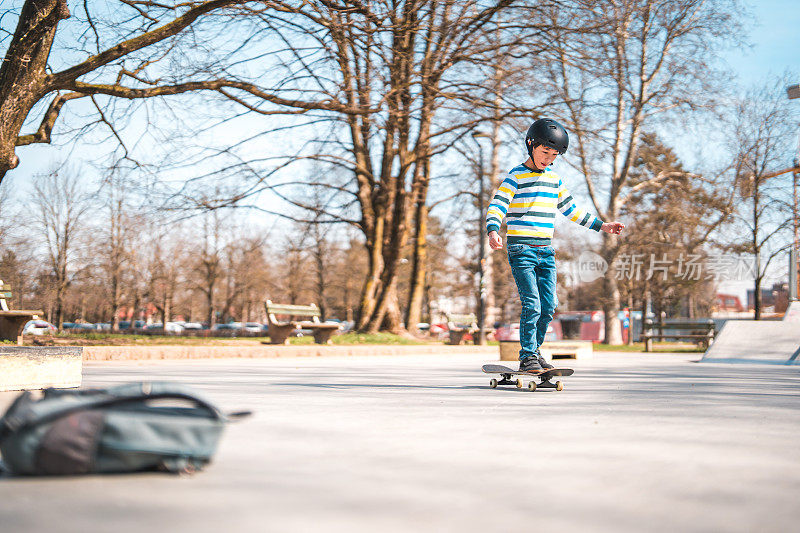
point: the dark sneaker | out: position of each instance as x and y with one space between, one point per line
530 364
542 363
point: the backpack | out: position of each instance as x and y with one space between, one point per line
127 428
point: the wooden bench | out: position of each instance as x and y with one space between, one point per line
701 332
12 322
459 326
279 331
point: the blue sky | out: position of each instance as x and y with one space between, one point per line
774 35
775 48
775 38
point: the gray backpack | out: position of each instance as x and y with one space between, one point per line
127 428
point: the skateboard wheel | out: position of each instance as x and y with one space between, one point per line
519 383
531 386
559 386
493 383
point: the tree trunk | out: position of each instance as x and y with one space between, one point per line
373 280
23 72
319 259
392 318
494 182
757 250
384 313
212 319
418 268
116 294
611 297
630 318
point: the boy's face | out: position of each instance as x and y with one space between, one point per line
543 156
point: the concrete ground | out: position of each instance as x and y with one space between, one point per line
637 442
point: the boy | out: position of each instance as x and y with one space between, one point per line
529 197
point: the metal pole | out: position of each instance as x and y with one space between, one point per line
482 248
793 92
793 281
793 275
482 280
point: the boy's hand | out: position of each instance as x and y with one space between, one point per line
495 241
613 227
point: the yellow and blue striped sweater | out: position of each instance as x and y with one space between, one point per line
529 199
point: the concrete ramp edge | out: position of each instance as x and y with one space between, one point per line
756 341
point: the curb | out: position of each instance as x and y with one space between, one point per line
146 353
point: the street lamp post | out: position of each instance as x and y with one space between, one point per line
793 92
482 249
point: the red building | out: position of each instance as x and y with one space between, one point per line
729 302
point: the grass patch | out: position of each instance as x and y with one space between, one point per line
108 339
360 338
637 347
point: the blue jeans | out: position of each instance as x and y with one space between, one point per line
534 270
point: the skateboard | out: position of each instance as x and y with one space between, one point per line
544 377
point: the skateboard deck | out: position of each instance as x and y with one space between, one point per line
544 376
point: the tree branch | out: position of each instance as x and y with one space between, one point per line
63 78
42 135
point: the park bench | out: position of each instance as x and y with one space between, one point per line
701 332
279 331
12 322
459 326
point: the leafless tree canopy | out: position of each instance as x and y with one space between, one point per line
355 118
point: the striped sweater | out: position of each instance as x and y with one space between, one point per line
529 199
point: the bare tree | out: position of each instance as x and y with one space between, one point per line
380 73
647 59
673 221
762 140
125 59
207 265
118 231
163 270
60 204
243 271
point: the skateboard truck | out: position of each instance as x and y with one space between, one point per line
507 377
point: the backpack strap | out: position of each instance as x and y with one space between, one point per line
26 412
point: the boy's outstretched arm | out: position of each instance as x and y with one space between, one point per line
566 204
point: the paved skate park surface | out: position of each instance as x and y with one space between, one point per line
637 442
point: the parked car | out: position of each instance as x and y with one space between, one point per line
510 332
78 326
507 332
192 325
173 327
39 327
126 324
221 327
103 326
253 327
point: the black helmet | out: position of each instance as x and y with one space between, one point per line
548 132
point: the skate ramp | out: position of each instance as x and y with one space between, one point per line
793 313
756 341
